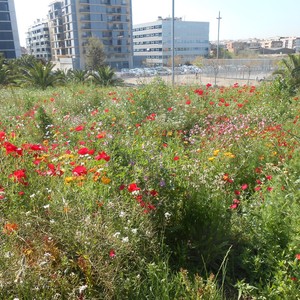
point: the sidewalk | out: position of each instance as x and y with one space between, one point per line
192 80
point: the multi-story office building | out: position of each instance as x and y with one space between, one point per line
9 36
72 22
38 40
152 42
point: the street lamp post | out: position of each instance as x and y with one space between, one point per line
219 18
173 39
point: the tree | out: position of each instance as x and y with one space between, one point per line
105 76
289 73
94 54
40 74
177 61
78 76
4 72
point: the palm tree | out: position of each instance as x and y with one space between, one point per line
6 74
105 76
79 76
41 74
289 72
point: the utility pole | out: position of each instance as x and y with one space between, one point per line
173 41
218 44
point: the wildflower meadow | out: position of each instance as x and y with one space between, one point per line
150 192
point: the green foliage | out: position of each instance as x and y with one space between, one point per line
289 73
94 54
105 76
6 76
78 76
45 123
40 75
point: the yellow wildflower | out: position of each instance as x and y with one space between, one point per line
216 152
229 154
69 179
105 180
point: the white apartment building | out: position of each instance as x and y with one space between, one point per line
152 42
38 40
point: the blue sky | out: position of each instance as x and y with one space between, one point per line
240 19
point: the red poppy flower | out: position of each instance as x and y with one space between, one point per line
54 170
244 186
34 147
297 256
2 135
102 155
94 112
176 158
235 204
101 135
19 176
112 253
121 187
198 92
11 148
79 128
79 171
153 193
294 278
188 102
151 117
85 151
133 187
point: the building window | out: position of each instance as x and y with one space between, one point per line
6 36
3 6
4 16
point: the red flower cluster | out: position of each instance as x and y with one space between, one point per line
79 171
19 176
11 148
102 155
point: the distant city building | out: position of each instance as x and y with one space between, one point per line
236 46
297 45
152 42
72 22
275 45
38 40
272 43
9 36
